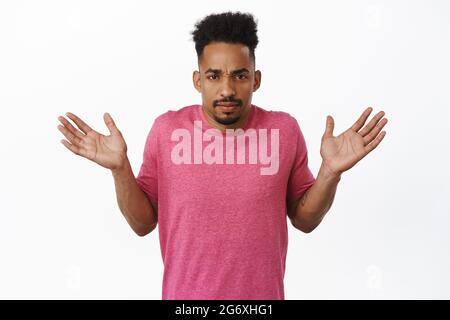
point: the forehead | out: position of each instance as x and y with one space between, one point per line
225 56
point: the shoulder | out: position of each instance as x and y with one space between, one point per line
175 118
276 118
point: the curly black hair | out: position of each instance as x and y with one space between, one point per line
229 27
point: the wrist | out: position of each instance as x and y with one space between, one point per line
328 174
122 167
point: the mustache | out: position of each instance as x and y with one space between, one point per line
229 100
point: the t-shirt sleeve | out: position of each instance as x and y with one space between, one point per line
147 178
300 178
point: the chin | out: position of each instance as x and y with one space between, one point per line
227 121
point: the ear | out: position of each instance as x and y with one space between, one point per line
257 81
196 81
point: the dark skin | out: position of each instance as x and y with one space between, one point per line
226 75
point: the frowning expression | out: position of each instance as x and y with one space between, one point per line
226 79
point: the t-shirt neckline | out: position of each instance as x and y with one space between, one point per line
206 125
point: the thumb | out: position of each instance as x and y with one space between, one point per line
329 127
110 123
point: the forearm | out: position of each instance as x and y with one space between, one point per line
316 201
133 202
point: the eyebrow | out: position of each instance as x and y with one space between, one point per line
218 71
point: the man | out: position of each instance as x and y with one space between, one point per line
220 178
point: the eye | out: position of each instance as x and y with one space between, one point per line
212 77
241 76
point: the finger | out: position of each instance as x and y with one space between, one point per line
77 150
80 123
71 128
329 127
374 133
69 135
362 119
110 124
375 142
371 124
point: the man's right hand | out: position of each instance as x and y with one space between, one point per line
108 151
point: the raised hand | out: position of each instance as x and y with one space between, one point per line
344 151
107 151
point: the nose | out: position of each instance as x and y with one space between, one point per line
227 88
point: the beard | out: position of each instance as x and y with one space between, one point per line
227 121
229 118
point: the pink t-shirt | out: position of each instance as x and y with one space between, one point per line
221 201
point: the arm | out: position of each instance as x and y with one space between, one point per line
111 152
133 202
339 154
307 212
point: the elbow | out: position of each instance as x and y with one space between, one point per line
142 232
307 229
304 226
307 223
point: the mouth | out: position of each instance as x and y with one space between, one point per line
228 106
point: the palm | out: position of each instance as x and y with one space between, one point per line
344 151
107 151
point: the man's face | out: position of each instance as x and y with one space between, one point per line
226 79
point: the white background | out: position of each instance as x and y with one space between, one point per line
61 233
